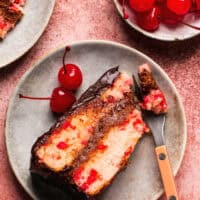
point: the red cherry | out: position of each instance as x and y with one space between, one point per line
179 7
169 17
60 100
70 76
149 20
141 5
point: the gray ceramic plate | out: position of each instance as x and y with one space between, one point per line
18 41
164 33
27 120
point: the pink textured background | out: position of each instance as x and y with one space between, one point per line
74 20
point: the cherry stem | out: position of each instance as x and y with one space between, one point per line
191 26
34 98
125 15
67 49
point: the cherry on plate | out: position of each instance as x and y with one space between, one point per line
149 20
169 17
141 5
70 76
61 100
179 7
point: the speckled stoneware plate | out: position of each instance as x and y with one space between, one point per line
164 33
27 120
26 33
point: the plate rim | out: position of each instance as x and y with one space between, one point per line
37 35
77 43
149 34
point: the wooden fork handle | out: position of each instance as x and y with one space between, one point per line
166 173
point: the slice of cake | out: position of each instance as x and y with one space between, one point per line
153 98
92 143
11 11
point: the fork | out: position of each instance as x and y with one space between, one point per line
156 123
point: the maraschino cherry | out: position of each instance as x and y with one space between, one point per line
179 7
141 5
169 17
150 13
149 20
61 99
69 75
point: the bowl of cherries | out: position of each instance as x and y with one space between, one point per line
166 20
63 96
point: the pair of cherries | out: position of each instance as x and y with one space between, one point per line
70 78
150 13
